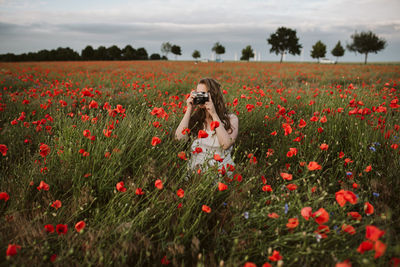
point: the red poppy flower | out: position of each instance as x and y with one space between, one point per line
286 176
107 132
323 119
139 191
206 208
355 215
53 257
79 226
322 230
182 155
61 229
159 184
214 124
273 133
238 177
302 123
292 223
291 187
86 133
155 141
56 204
49 228
121 186
4 196
218 158
43 186
12 249
368 208
368 168
185 131
267 188
202 134
379 248
180 193
313 166
275 256
306 212
287 128
249 264
321 216
3 149
324 146
365 246
197 150
343 196
267 264
222 187
165 261
348 229
273 215
93 104
44 150
373 233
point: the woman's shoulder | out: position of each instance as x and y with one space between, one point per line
232 116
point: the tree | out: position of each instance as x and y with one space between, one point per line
218 49
155 56
166 48
141 54
338 51
284 40
128 53
366 42
318 50
100 53
176 50
247 53
196 54
87 53
114 53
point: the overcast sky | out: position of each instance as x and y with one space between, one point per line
29 25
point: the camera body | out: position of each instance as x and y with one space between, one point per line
200 98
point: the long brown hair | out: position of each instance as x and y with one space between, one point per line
198 119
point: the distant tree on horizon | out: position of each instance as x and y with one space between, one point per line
87 53
366 42
176 50
338 51
128 53
114 52
166 49
219 49
100 53
141 54
318 50
196 54
155 56
284 40
247 53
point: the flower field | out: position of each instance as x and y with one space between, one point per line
91 173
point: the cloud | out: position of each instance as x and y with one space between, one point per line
25 26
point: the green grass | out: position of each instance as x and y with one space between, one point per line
128 229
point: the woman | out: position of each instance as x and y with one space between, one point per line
214 146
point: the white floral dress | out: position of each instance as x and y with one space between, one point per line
209 146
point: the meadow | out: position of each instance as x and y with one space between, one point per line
91 174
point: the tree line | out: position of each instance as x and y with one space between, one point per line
88 53
282 42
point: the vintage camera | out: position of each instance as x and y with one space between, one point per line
200 98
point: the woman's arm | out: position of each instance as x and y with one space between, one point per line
185 120
225 139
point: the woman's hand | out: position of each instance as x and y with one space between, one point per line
189 100
210 106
